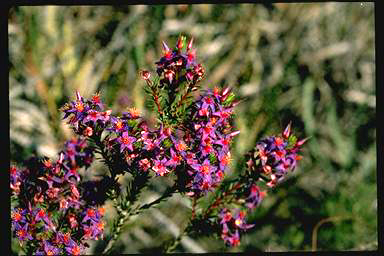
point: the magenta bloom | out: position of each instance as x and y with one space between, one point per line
205 168
160 166
73 248
255 197
22 233
118 125
224 141
240 220
175 159
207 130
49 249
92 214
93 116
126 141
79 108
208 102
233 240
223 113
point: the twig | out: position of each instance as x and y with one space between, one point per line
321 222
219 199
193 207
125 214
155 97
169 192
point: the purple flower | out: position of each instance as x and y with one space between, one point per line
94 231
126 141
191 158
49 249
51 179
255 197
96 101
224 159
18 217
233 240
79 108
240 220
93 116
63 238
224 142
207 130
73 248
207 102
223 113
159 166
225 215
119 126
22 233
92 214
71 172
205 168
175 159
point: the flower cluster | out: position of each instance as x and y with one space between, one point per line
274 156
176 67
269 162
86 115
201 147
209 135
232 224
50 208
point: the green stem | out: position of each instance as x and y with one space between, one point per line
125 214
168 193
96 138
177 240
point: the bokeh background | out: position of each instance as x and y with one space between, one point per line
312 63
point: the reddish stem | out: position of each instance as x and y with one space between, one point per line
155 96
193 208
218 200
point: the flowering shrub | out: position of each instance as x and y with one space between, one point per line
56 211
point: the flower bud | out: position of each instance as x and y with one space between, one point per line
287 131
145 74
189 46
78 96
88 131
169 74
301 142
232 134
189 76
167 51
180 43
165 47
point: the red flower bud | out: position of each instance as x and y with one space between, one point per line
145 74
287 131
180 43
189 76
226 91
301 142
88 131
169 74
165 47
189 46
78 96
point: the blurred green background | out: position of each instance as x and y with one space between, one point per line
313 64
